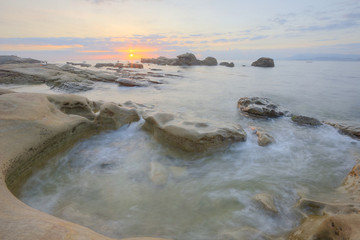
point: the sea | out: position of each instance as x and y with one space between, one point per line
103 182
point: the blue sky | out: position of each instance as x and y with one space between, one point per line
228 29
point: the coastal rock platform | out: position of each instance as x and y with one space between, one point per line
35 127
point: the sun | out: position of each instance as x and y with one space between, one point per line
131 55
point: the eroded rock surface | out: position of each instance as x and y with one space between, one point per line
33 127
266 201
192 136
349 128
264 138
260 107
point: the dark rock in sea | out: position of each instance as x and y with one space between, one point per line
303 120
263 62
99 65
79 64
210 61
11 59
186 59
260 107
348 128
227 64
119 65
132 82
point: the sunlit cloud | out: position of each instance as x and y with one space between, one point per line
94 51
32 47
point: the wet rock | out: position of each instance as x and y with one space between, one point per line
264 138
210 61
259 107
187 59
192 136
328 227
243 233
227 64
349 128
351 183
263 62
99 65
303 120
11 59
158 173
10 77
266 202
71 86
114 116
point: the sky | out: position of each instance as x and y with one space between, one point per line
61 30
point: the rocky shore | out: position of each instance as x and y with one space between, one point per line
34 127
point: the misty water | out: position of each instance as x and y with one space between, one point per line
103 182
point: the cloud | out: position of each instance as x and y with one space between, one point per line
32 47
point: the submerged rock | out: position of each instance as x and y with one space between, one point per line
259 107
243 233
348 128
263 62
303 120
158 173
227 64
192 136
266 201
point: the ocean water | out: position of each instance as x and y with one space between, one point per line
103 182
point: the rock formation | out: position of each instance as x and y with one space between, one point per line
227 64
36 126
263 62
192 136
99 65
349 128
266 202
186 59
260 107
11 59
264 138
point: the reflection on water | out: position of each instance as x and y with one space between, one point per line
105 182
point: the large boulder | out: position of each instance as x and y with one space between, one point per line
191 135
187 59
210 61
260 107
263 62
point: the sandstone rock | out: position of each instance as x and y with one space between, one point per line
134 65
264 138
336 227
303 120
259 107
351 183
348 128
193 136
10 77
35 128
227 64
263 62
266 201
113 116
210 61
158 173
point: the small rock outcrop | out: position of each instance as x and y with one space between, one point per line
227 64
79 64
210 61
303 120
349 128
99 65
264 62
191 136
264 138
260 107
